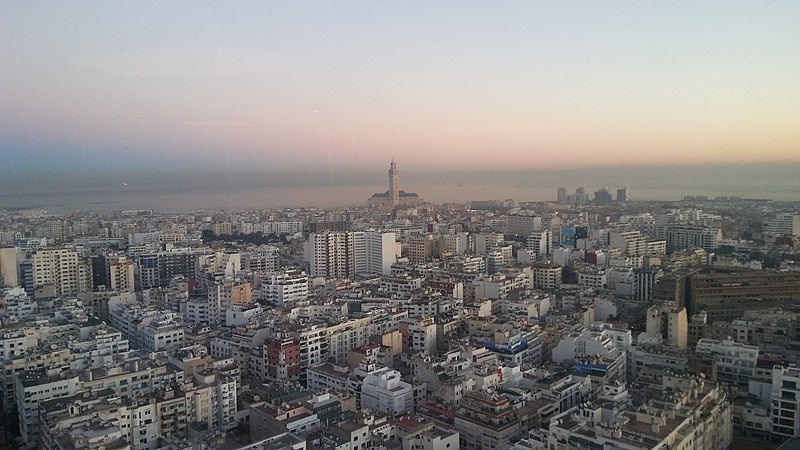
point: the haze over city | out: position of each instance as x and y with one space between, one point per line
182 86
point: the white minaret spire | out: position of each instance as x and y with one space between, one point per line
394 184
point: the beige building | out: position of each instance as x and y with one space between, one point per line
8 267
59 268
121 274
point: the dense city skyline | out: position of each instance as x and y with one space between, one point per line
294 85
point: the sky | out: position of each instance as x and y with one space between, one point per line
467 85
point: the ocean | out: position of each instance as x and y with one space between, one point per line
251 189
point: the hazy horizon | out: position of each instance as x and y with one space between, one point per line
242 189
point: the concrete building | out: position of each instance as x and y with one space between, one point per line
383 391
57 267
285 288
420 249
546 276
282 358
783 224
345 254
541 242
668 412
786 402
486 421
631 243
35 386
682 236
120 273
8 267
736 363
419 335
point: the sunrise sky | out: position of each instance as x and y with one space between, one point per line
300 84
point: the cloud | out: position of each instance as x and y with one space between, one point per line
215 124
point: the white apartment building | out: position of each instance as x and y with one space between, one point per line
541 242
786 402
201 311
238 315
35 386
783 224
419 335
383 391
287 287
96 346
593 279
631 243
736 362
344 254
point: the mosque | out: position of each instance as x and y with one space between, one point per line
394 197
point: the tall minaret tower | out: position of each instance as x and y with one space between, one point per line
394 184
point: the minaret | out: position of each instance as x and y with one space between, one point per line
394 184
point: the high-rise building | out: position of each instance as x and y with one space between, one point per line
682 236
622 195
562 195
344 254
394 184
602 196
120 271
8 267
57 267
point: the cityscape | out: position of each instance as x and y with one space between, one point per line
588 321
399 226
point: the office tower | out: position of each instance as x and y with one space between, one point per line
55 229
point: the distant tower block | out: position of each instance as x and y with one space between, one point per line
622 195
562 195
394 184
